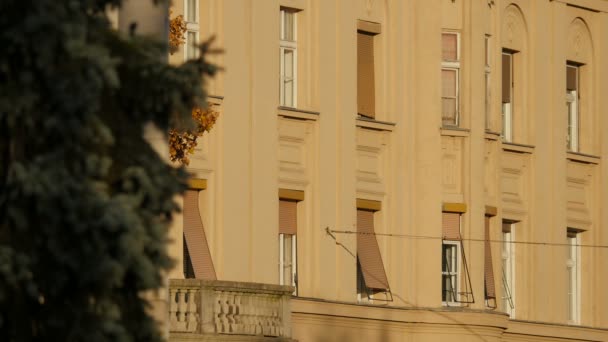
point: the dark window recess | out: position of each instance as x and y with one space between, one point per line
188 269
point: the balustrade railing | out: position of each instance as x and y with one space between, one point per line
224 307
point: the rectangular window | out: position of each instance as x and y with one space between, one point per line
371 275
573 104
288 58
197 255
366 79
450 79
490 290
508 268
450 272
288 246
507 96
488 84
573 265
192 29
455 280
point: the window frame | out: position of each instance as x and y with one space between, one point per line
191 27
288 45
452 65
573 268
573 111
507 107
488 82
508 267
456 275
294 261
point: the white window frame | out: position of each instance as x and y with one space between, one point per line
507 108
454 65
488 83
294 261
573 105
453 274
573 266
288 45
191 27
508 270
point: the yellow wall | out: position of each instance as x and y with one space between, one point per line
411 164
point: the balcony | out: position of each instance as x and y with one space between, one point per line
213 310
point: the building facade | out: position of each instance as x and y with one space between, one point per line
417 170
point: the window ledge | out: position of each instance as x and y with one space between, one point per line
519 148
583 158
491 135
297 113
215 99
375 124
455 131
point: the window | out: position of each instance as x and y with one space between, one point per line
288 58
455 279
572 102
288 246
490 290
573 265
488 84
450 272
508 268
197 256
371 275
450 79
507 96
366 80
192 29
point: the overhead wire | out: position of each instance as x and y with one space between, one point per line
413 236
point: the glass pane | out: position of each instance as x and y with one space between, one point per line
487 49
288 26
288 77
446 288
448 112
192 45
488 101
449 46
449 79
191 11
287 260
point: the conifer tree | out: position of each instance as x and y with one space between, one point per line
85 202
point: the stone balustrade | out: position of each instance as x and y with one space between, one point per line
225 307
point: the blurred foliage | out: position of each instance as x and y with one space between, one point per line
183 142
177 30
85 202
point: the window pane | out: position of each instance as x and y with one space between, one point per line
449 80
449 46
288 77
571 77
488 101
288 26
287 259
507 74
448 112
192 45
191 11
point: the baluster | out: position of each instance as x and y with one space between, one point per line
172 309
192 318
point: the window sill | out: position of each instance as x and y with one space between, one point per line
491 135
375 124
455 131
296 113
519 148
215 99
582 158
